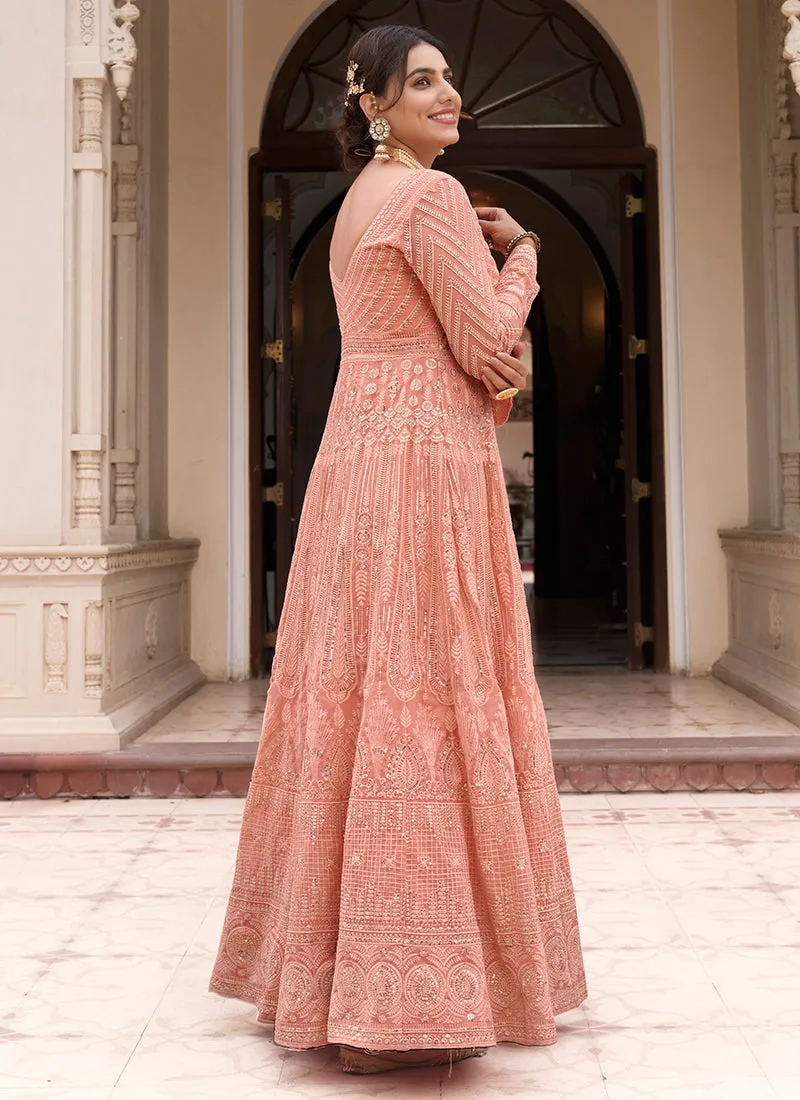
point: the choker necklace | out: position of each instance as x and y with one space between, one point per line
397 154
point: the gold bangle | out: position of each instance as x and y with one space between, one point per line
506 395
537 244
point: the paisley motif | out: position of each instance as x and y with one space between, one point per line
402 877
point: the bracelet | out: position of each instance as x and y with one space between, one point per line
537 244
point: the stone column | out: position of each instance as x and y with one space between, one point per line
125 327
763 656
94 625
87 441
785 150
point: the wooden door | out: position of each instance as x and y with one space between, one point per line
637 340
270 409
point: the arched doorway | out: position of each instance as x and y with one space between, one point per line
575 127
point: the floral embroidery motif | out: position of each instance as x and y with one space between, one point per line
402 878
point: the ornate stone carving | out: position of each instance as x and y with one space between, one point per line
90 115
790 465
94 561
125 190
125 494
56 623
93 650
791 49
122 45
86 496
772 544
775 620
151 631
87 21
783 178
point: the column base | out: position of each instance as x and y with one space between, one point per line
94 643
763 655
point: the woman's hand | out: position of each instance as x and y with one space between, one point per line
497 226
506 370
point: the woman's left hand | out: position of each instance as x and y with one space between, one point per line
504 370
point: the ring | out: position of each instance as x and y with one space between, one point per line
504 395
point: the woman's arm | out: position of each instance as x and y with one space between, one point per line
481 310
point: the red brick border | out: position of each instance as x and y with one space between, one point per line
213 769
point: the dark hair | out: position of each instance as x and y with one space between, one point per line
380 54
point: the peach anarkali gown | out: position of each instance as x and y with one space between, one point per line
402 880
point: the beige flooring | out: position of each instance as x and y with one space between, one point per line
689 907
579 704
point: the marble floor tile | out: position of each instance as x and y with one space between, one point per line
61 1092
786 1087
622 920
632 1087
702 1056
690 918
79 997
74 1062
608 704
774 1048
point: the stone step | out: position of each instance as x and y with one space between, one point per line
175 769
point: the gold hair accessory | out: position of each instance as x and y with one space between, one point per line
352 87
537 244
505 395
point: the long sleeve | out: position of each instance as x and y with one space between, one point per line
481 310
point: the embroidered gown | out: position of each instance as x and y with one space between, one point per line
402 880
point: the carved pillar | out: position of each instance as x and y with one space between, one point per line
791 48
88 440
125 325
104 354
785 150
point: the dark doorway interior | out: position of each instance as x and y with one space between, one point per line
563 451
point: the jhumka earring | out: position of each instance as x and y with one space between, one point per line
379 130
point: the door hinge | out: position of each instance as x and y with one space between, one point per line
641 489
270 638
637 347
273 351
272 208
633 206
642 634
273 494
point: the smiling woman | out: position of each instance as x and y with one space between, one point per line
402 887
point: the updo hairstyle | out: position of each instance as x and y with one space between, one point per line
380 54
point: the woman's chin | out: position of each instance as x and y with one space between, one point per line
450 137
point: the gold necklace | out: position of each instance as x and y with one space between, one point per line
383 152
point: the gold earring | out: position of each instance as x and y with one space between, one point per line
379 130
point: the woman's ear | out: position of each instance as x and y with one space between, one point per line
367 104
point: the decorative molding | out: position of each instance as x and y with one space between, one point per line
125 494
86 494
121 46
791 48
151 631
790 467
56 650
126 189
773 544
93 649
98 560
87 21
775 620
90 114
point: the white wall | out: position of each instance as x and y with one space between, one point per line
32 124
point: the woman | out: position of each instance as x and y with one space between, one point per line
402 888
